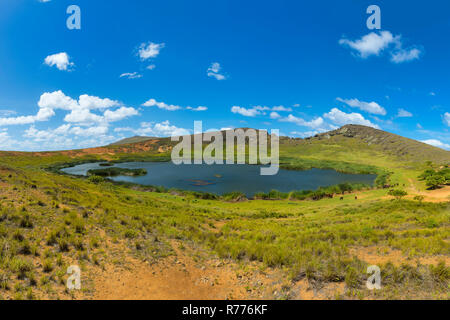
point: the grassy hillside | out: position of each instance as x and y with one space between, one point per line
388 143
49 221
131 140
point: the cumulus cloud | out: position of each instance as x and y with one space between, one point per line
60 60
370 107
43 114
82 116
92 102
150 50
161 105
91 131
65 137
437 143
402 113
253 112
404 55
119 114
214 71
371 44
80 110
314 124
374 44
341 118
274 115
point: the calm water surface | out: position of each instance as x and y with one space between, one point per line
220 179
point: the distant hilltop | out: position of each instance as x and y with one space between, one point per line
349 139
134 139
386 142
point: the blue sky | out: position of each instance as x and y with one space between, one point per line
153 67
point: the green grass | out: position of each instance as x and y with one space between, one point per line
48 219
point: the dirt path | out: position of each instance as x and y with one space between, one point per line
180 277
438 195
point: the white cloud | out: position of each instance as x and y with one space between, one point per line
89 132
151 67
402 113
91 102
370 107
83 116
56 100
163 129
60 60
80 111
404 55
43 115
132 75
199 108
371 44
150 50
260 110
245 112
214 71
281 109
6 142
274 115
341 118
437 143
65 137
119 114
161 105
447 119
375 43
314 124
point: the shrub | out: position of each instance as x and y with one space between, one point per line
440 273
25 221
398 194
96 179
351 278
47 266
20 266
130 234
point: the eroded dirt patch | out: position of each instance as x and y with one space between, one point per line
383 255
180 277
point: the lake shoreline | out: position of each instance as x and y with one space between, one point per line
220 180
